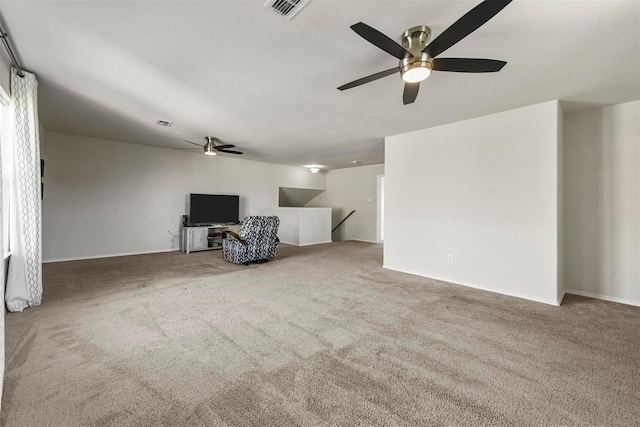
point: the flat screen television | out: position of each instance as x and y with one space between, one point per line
213 208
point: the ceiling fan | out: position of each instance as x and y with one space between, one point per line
418 59
210 147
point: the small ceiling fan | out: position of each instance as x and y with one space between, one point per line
210 147
418 59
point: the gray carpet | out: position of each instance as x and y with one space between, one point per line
321 335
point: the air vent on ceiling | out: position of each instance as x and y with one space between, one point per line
166 123
286 8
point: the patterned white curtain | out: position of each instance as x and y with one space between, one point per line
4 101
24 278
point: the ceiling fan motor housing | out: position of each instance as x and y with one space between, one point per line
210 147
415 39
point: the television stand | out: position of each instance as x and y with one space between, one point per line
205 238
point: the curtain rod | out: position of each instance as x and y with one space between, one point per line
12 56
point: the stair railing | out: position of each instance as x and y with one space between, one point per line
345 218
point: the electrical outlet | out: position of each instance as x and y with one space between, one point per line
450 257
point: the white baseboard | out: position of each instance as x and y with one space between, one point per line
305 244
315 243
561 297
46 261
604 297
553 302
366 241
289 243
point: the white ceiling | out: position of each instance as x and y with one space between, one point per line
237 71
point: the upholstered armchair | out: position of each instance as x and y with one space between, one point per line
256 242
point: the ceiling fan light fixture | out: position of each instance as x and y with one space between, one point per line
416 69
416 74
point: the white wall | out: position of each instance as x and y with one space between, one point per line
5 70
602 202
302 226
107 198
349 189
483 190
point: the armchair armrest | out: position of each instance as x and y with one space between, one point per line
235 236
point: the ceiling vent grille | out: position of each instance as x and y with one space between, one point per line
166 123
286 8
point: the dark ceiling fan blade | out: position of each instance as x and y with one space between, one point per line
466 25
468 65
224 146
229 151
410 92
189 142
375 37
370 78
